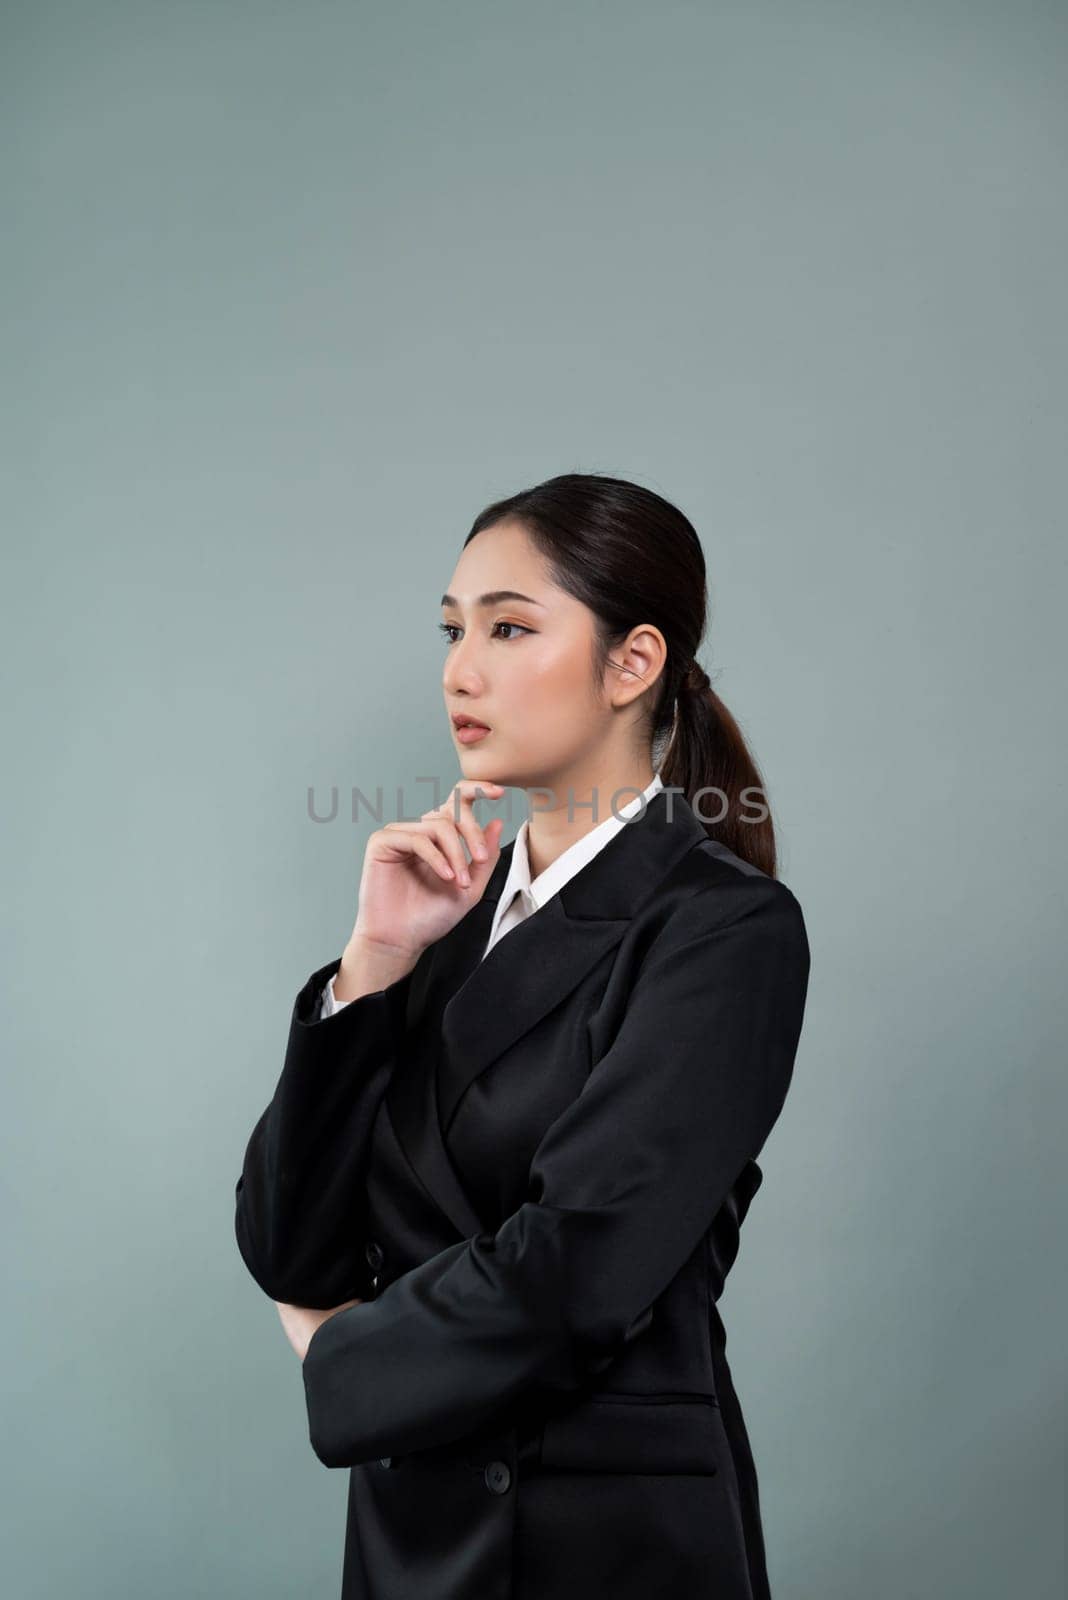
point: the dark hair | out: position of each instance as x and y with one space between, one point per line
633 557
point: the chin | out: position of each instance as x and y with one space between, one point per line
475 766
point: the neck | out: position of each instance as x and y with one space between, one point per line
594 797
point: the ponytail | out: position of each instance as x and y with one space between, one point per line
708 759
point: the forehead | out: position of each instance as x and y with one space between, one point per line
499 559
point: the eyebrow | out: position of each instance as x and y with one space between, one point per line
492 599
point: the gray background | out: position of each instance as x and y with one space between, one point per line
290 292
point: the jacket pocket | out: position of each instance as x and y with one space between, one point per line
615 1432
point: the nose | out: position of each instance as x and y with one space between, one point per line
461 674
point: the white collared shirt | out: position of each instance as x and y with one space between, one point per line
521 897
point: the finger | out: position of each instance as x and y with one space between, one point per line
461 798
478 788
480 841
426 847
410 841
443 831
466 827
459 809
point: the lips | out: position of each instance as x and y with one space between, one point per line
470 732
460 723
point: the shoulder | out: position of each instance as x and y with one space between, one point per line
712 891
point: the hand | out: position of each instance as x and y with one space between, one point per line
300 1322
408 897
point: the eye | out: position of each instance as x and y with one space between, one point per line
448 629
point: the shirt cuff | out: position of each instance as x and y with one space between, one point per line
330 1003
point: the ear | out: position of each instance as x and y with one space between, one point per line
636 665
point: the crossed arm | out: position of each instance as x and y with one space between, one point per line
621 1188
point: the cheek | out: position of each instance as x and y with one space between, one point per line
553 672
529 685
545 694
547 689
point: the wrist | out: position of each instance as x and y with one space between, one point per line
368 965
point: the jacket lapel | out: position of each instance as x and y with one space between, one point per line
465 1011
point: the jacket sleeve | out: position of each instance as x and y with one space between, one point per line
300 1197
622 1187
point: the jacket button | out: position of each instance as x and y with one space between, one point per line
374 1255
498 1477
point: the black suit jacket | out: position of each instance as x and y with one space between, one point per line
533 1168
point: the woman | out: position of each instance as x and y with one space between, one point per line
500 1183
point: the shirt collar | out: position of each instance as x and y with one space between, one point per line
574 858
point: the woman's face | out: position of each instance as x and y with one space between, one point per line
521 664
